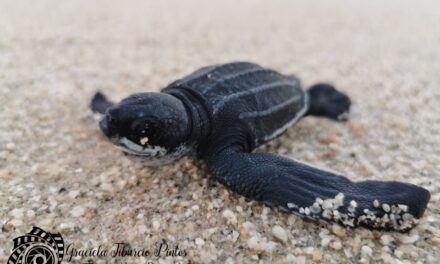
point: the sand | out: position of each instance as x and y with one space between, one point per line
59 173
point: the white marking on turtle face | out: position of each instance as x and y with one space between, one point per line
133 148
150 155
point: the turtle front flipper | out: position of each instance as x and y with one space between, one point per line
316 194
100 103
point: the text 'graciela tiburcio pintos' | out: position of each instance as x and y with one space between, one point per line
162 249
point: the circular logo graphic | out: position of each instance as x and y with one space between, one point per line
37 247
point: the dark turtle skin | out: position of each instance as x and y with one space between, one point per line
223 112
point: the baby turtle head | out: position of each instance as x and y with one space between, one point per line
152 126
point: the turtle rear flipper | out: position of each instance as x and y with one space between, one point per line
316 194
100 103
328 102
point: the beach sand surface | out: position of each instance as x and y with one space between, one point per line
58 172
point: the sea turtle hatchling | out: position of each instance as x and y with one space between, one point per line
223 112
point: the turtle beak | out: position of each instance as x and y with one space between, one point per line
103 124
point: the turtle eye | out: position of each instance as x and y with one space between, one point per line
140 127
137 127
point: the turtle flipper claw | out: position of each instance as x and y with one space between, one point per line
300 189
100 103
